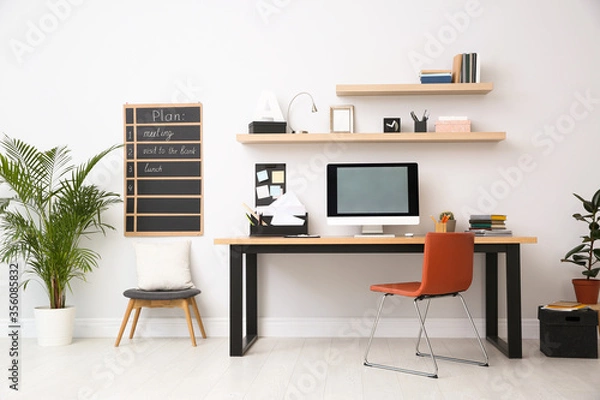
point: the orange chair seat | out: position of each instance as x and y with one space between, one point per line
409 289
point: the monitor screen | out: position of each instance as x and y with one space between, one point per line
373 195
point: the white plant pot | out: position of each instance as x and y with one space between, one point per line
54 326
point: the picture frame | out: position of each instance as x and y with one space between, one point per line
341 119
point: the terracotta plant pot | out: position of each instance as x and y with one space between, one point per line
586 290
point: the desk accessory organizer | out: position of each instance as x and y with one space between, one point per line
257 228
267 127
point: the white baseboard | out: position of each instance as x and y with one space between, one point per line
287 327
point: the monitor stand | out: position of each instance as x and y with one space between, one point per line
375 231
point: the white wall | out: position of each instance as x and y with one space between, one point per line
67 83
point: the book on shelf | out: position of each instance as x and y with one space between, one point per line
565 306
435 71
466 68
436 79
435 76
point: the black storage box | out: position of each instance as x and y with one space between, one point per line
569 333
267 127
279 230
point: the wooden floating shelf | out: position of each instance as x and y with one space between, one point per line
413 89
409 137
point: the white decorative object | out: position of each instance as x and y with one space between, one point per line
163 266
268 108
54 326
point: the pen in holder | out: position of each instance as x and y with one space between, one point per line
440 226
420 124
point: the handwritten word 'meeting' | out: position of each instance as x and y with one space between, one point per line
158 133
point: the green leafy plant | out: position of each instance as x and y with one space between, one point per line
450 215
51 209
585 255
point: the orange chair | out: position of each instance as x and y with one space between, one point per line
447 271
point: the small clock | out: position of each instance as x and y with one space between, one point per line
391 124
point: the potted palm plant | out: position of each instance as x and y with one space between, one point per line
585 254
50 210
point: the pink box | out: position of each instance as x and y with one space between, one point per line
453 126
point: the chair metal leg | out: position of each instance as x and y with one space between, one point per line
423 332
484 363
417 351
390 367
483 351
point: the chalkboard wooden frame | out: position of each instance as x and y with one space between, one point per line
163 169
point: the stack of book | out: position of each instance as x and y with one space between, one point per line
436 76
489 225
466 68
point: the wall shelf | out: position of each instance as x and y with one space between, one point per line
413 89
409 137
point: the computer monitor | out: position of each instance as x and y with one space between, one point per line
373 195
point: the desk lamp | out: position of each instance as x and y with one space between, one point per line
314 110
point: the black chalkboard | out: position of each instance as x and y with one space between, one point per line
168 205
167 150
172 224
167 133
167 114
166 187
163 169
168 168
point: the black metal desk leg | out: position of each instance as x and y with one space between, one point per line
236 290
513 296
251 297
491 295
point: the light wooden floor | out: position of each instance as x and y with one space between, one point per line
285 368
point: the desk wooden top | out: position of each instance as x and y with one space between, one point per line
269 240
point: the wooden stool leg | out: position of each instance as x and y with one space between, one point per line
138 310
199 319
185 305
124 323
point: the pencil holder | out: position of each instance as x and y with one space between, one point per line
421 126
440 226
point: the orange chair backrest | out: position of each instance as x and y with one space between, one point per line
447 262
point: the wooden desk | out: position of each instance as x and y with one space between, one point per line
243 251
